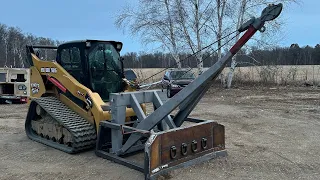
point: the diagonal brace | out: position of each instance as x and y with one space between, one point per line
157 103
137 107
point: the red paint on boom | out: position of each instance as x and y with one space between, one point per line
57 83
247 35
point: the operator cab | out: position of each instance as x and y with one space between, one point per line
95 64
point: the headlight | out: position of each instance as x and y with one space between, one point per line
119 46
22 87
174 86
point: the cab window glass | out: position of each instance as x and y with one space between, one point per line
71 62
70 58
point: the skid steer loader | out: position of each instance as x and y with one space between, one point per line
82 100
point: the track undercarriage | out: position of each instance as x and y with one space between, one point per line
48 128
52 123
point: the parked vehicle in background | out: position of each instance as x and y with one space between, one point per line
130 75
176 79
14 85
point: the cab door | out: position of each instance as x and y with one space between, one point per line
71 58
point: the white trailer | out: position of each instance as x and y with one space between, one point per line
14 85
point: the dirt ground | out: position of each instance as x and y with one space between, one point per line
271 133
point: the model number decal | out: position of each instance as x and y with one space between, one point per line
48 70
88 100
80 93
35 87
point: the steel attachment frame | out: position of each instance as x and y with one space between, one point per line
166 150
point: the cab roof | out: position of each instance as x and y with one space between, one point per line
89 40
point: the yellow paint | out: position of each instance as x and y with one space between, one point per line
95 114
36 78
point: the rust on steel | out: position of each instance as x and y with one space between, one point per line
167 148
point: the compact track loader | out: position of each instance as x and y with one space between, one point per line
82 100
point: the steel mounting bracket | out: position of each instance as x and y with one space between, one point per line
268 14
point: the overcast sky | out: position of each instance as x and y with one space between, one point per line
94 19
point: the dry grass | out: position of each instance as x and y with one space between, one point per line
281 75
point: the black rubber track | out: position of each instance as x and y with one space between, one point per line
83 133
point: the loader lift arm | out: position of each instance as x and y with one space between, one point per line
163 150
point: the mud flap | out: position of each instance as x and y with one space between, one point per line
182 147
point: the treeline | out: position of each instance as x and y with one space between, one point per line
13 46
162 60
13 54
293 55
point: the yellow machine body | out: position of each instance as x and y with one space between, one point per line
93 115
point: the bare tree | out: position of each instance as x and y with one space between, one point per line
12 46
193 17
154 22
220 11
248 8
3 44
178 25
233 65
